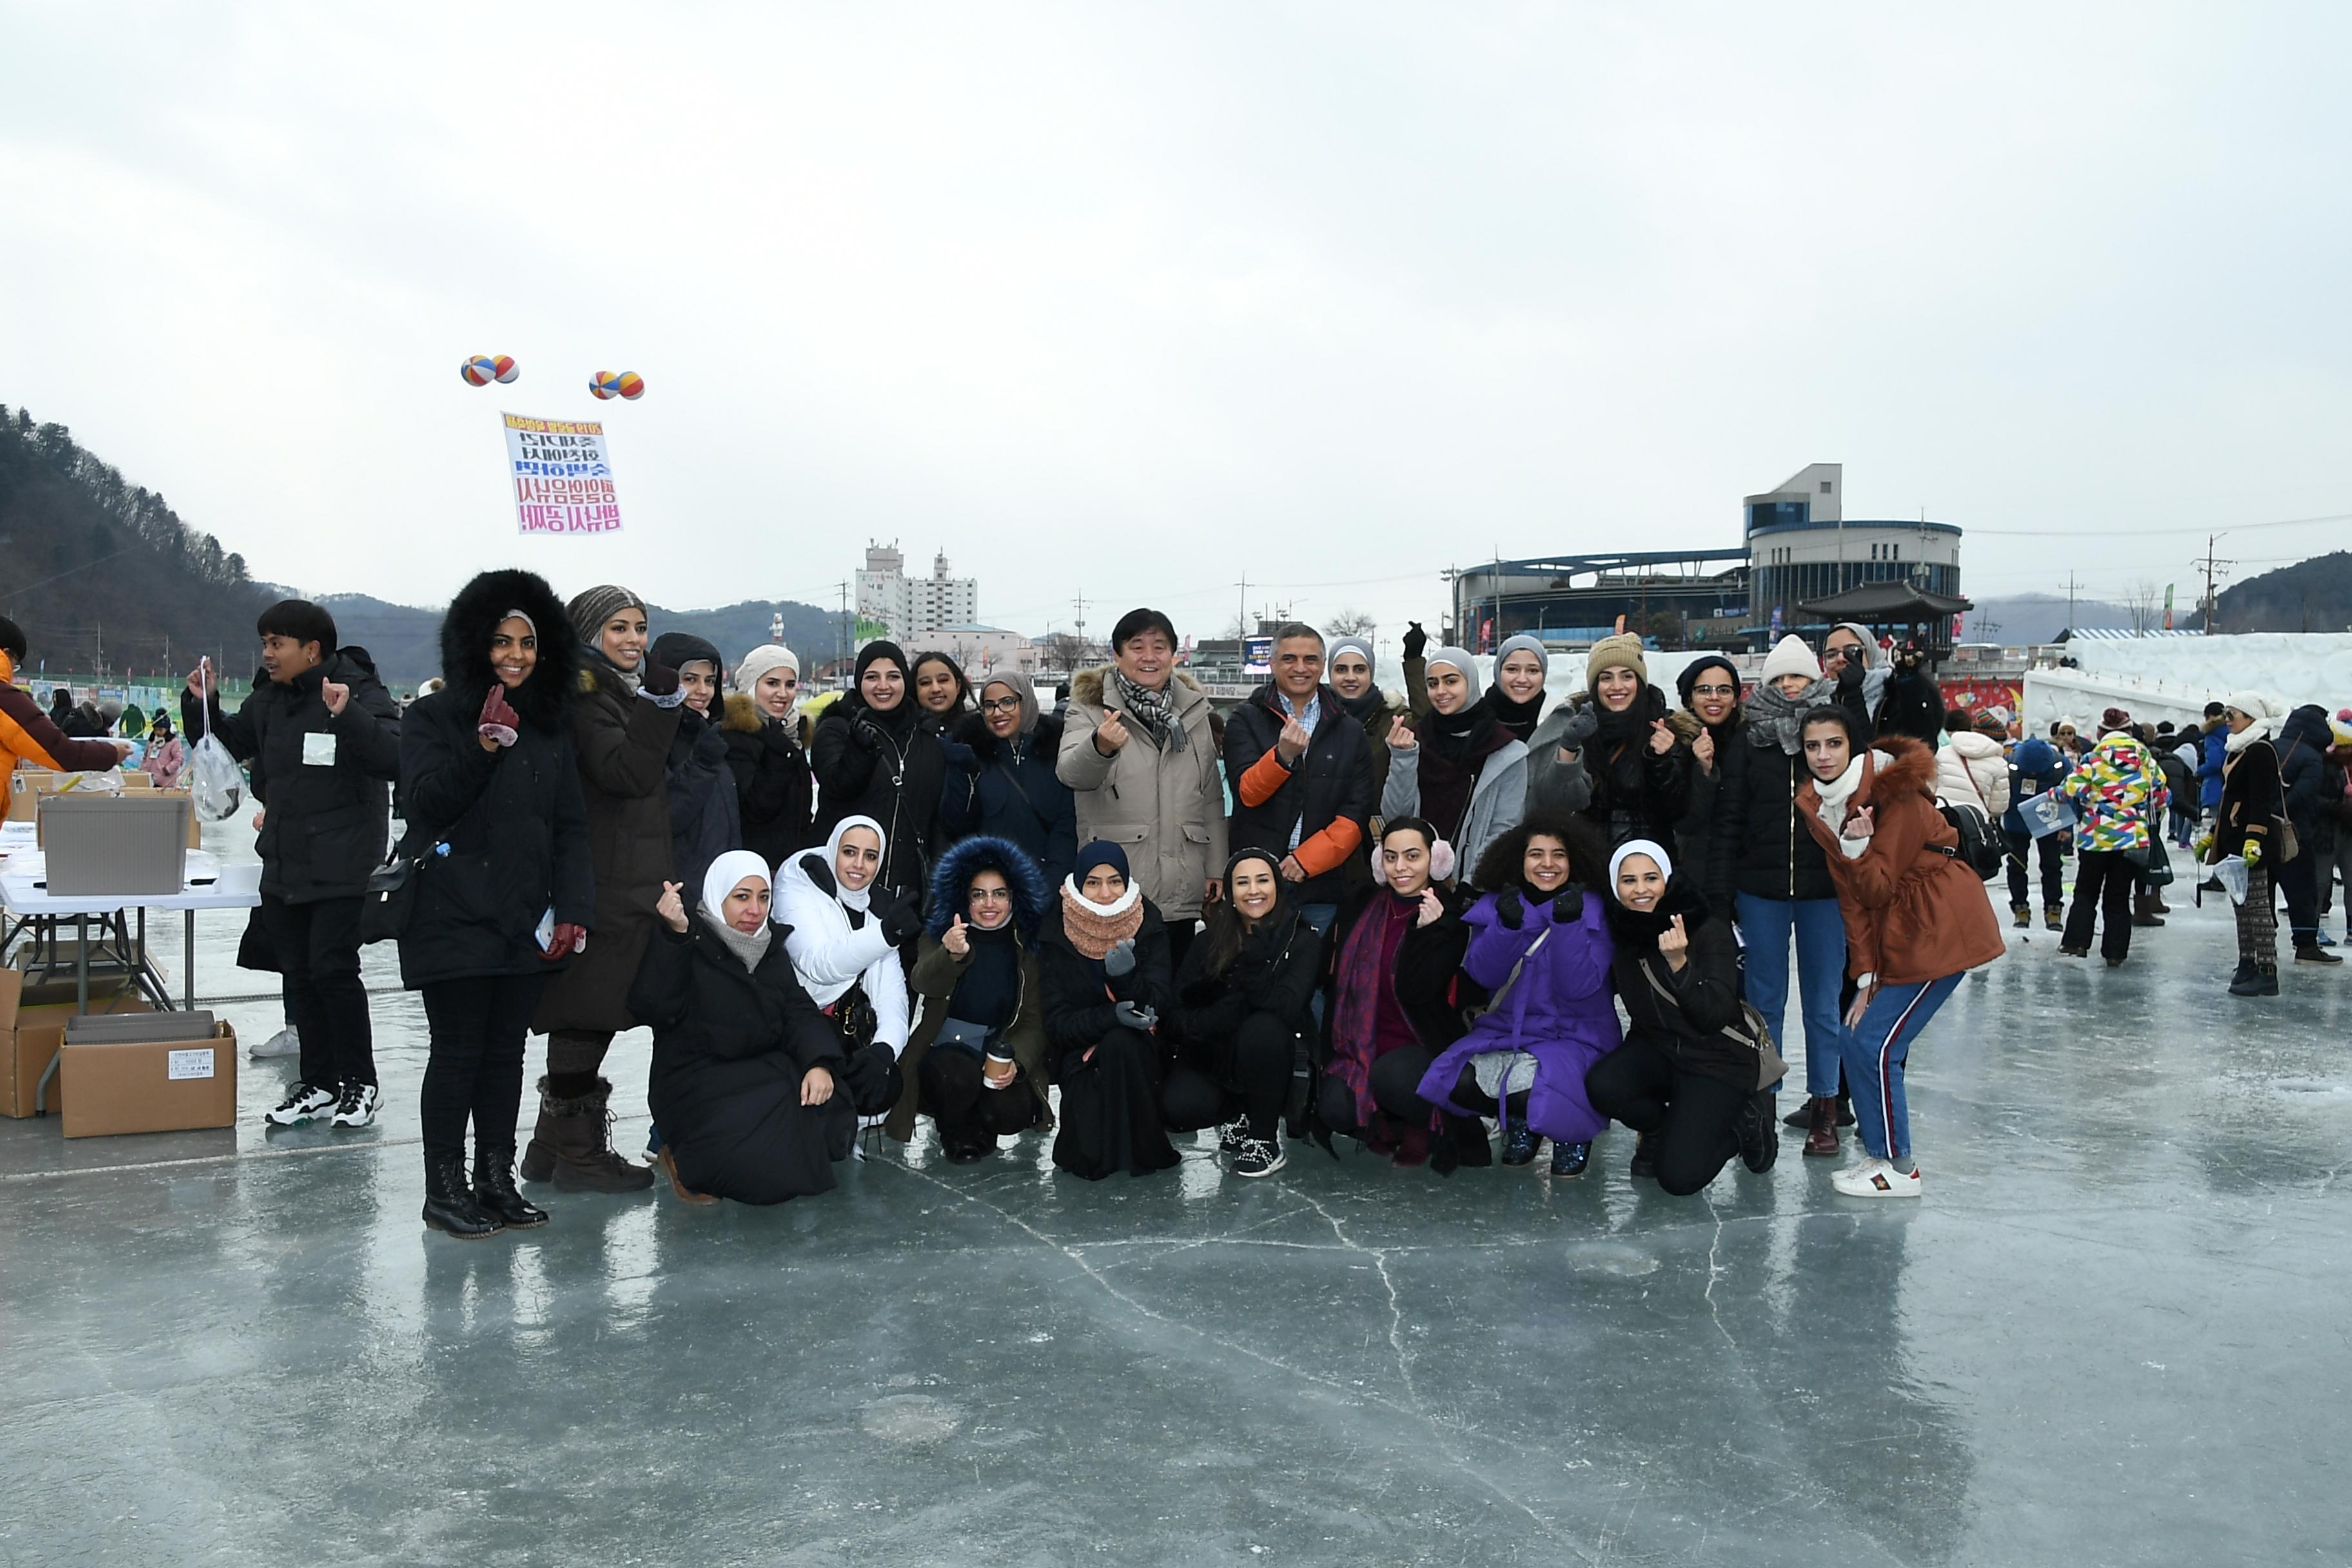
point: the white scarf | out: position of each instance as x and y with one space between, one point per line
1835 793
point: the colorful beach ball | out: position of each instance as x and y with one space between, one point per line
505 368
605 385
480 371
633 385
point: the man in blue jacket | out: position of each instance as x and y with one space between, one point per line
2034 766
2208 776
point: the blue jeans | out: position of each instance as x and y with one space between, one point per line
1876 1049
1766 925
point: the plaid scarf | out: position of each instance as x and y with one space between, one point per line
1155 711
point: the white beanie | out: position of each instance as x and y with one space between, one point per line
1791 655
2253 705
760 660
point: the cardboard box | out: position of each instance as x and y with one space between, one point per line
149 1086
32 1030
25 801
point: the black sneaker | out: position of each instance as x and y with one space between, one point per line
1258 1157
1232 1136
1519 1144
1759 1145
302 1103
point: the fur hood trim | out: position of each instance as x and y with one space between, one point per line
1086 686
1044 740
742 716
475 614
1910 768
967 858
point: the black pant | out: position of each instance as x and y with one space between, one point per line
1691 1115
1181 930
2299 881
2103 882
1396 1088
2047 850
475 1068
950 1089
1212 1080
317 948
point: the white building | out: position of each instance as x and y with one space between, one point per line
976 648
910 606
1802 547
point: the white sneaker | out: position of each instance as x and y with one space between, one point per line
1877 1178
284 1043
357 1106
302 1103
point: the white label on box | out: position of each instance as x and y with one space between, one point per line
189 1064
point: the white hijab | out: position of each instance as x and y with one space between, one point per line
725 872
859 899
1656 851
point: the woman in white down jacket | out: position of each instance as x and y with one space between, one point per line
843 935
1972 769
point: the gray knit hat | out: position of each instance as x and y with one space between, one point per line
592 608
1459 658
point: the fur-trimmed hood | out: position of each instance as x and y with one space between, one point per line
967 858
1044 741
741 716
1910 768
1087 685
473 615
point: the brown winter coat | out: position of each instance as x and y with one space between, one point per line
934 981
623 743
1912 914
1165 809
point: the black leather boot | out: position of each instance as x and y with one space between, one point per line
449 1205
494 1189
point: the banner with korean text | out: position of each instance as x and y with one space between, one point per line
563 475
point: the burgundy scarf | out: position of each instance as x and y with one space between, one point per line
1369 1021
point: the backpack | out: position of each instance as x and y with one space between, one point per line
1978 848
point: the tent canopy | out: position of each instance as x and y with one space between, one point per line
1886 603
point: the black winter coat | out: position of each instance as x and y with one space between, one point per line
1080 996
326 824
730 1047
1435 994
893 772
517 831
1277 970
2251 804
774 793
703 824
1333 780
1016 795
1687 1025
1758 848
2302 744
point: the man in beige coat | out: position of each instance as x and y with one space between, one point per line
1137 754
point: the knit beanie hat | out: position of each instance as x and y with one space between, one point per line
1523 643
1347 645
2253 705
1458 658
590 610
12 640
881 648
2113 719
1690 672
1622 650
1791 655
761 659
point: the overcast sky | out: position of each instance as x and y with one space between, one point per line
1123 300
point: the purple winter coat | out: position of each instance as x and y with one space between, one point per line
1560 1012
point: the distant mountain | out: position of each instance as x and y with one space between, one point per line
100 570
2314 595
2017 619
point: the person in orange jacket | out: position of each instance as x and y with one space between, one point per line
29 737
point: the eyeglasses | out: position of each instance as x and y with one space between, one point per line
1715 691
1000 704
991 895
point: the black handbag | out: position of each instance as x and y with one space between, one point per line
391 896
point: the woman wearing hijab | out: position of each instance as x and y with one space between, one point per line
1008 756
844 931
767 754
1915 920
1244 1016
1768 876
498 832
1396 990
976 1065
746 1077
703 820
1709 722
2248 825
1456 767
1106 972
875 758
623 719
1694 1073
943 697
1539 948
1610 755
1516 698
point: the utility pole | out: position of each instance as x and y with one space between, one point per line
1241 618
1080 625
2212 567
2070 587
841 654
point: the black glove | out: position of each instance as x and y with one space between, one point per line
1849 674
1567 904
961 757
1120 960
872 1079
658 678
866 733
1510 909
710 746
1415 640
900 916
1135 1018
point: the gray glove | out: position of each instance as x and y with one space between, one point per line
1135 1018
1120 960
1583 723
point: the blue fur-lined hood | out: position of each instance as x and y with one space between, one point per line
952 879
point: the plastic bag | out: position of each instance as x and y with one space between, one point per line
215 783
2231 872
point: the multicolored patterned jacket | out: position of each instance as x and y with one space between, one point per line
2119 790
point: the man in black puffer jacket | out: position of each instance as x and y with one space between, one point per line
1301 778
320 738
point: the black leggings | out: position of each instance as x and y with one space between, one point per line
1251 1074
475 1068
1691 1115
1396 1089
951 1090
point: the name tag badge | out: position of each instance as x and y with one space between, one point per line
318 750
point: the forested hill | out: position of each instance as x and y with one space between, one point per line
406 640
93 566
2314 595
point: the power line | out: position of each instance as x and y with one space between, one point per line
1974 532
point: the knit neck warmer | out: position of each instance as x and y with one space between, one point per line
1458 737
1776 720
1154 711
1519 718
1641 928
1836 793
635 679
1633 722
1094 929
750 946
1364 708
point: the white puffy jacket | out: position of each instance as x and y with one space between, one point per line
830 955
1972 768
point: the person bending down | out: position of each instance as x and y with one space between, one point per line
746 1069
1243 1015
1106 973
1689 1077
976 1063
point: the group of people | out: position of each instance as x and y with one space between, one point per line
1333 912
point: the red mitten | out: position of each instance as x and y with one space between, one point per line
568 939
500 724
